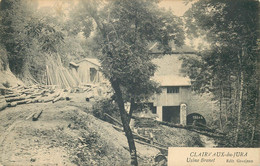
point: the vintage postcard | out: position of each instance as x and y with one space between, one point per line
129 82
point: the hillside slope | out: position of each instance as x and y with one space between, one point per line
68 134
7 78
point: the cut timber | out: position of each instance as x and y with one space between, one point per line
20 87
60 97
30 116
36 115
118 128
47 100
11 95
26 91
155 146
139 137
204 131
88 98
113 119
68 98
36 99
23 101
7 89
15 87
13 104
136 136
3 103
51 97
2 98
11 99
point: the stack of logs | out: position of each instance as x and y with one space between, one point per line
34 94
11 97
3 103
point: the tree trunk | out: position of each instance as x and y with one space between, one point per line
220 117
230 97
220 109
256 120
241 88
124 119
226 104
132 108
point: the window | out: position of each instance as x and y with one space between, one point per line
93 75
173 89
151 107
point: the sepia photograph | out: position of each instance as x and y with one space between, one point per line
129 82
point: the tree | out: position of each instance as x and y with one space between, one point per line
27 37
13 20
124 29
228 69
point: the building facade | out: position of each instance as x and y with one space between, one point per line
171 104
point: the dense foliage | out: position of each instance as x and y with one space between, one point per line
31 36
123 30
119 34
105 106
228 68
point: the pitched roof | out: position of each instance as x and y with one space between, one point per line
185 49
91 60
74 64
172 80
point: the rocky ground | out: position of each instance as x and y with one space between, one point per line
68 134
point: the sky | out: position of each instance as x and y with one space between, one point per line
177 6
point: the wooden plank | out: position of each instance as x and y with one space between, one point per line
113 119
30 116
8 89
155 146
37 115
60 97
26 101
140 137
36 99
200 130
12 95
3 105
137 136
11 99
12 104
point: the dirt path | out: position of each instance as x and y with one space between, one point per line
53 139
68 134
19 141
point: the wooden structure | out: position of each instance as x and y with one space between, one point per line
87 70
176 101
170 105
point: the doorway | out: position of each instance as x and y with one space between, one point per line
171 114
93 75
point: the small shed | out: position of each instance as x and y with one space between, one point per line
88 70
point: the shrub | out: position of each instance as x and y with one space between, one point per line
105 106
